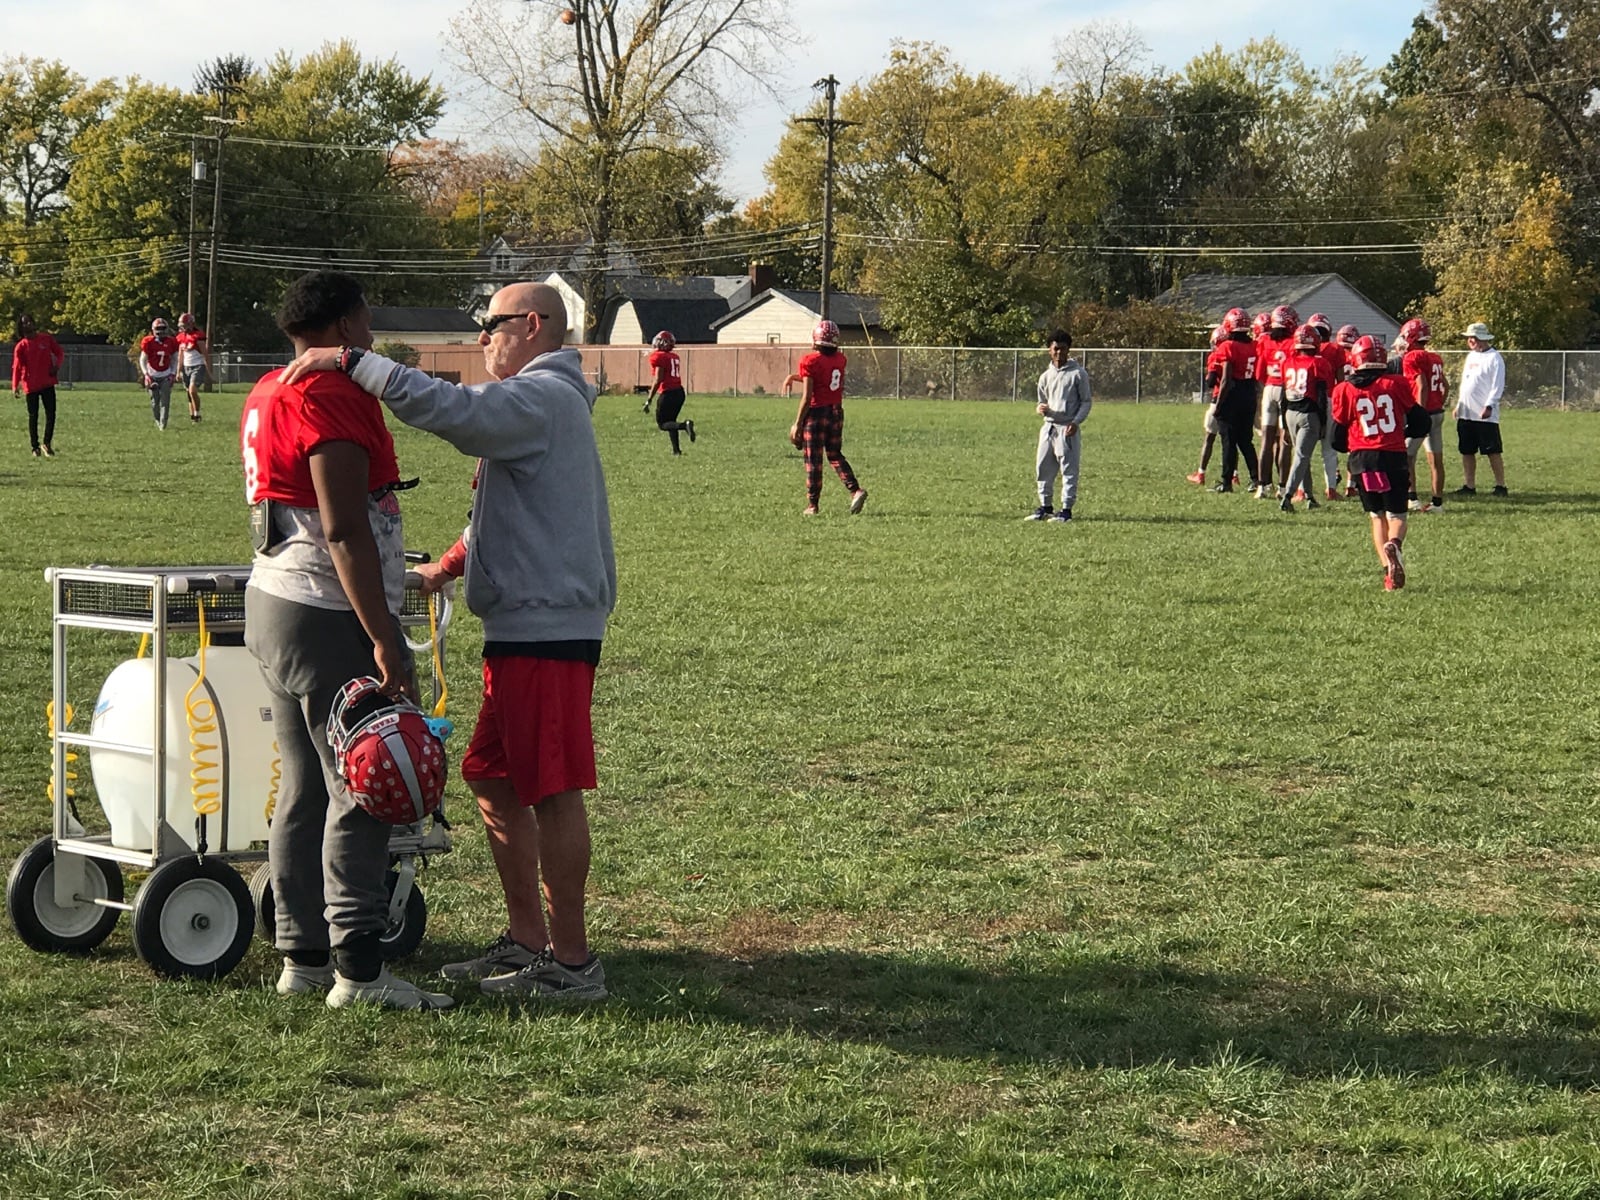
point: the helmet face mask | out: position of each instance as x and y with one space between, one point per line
1321 324
392 764
159 326
186 322
664 340
1347 336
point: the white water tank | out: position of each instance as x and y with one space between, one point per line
244 754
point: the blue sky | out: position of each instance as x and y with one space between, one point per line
163 40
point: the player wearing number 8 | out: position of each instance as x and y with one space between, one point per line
818 429
1371 406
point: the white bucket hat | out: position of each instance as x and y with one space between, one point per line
1478 330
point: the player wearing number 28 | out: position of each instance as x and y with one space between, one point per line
1372 406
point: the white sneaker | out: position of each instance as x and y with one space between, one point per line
299 980
386 990
858 500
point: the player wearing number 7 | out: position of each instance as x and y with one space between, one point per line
1424 371
818 429
1370 409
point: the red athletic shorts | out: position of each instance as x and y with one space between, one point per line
533 728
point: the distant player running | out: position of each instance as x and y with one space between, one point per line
194 360
668 384
818 429
158 364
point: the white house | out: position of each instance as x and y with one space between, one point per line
423 326
786 317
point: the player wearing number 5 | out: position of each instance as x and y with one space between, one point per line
1424 371
818 429
1370 410
668 384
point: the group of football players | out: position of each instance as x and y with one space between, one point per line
1306 386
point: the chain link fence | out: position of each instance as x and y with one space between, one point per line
1559 379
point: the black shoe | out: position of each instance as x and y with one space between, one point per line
1500 490
1286 505
1223 487
1064 515
48 452
36 452
1042 513
1466 491
689 425
1311 502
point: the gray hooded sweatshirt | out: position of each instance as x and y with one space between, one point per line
540 566
1065 392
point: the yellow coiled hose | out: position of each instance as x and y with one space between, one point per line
50 718
205 767
275 774
438 658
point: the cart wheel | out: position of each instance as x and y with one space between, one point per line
262 900
192 919
46 925
403 938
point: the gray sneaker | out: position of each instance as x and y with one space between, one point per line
299 980
500 957
550 980
386 990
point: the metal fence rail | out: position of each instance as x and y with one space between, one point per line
1559 379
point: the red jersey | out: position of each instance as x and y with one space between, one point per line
1337 357
35 362
192 345
826 372
1238 358
1270 355
1375 413
159 353
1307 379
1424 371
669 360
282 424
1213 376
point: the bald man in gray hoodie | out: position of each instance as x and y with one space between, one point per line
540 573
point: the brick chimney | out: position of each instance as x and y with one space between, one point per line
761 279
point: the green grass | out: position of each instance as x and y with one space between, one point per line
937 854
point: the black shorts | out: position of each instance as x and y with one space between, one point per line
1478 437
1395 469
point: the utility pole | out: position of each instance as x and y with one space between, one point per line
829 126
222 124
480 218
197 172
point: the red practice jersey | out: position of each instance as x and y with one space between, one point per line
826 372
1306 377
282 424
1337 357
669 360
194 339
1270 355
160 353
1213 377
1238 358
1375 413
1424 371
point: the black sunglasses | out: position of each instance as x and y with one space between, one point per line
490 324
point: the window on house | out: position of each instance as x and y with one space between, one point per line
502 264
774 339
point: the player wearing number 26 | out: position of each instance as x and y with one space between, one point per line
1371 406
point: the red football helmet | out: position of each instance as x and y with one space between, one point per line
1236 321
159 326
825 334
1218 336
1415 331
1284 317
186 322
1322 325
1307 338
1258 327
1368 352
664 340
391 761
1347 336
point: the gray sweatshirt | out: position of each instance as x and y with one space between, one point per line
540 566
1065 391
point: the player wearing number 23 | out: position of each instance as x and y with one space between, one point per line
1371 407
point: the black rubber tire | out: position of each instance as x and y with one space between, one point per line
262 901
403 939
40 923
193 919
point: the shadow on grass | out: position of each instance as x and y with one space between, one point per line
1100 1014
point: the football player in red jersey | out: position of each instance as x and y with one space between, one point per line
321 609
1307 385
1236 397
818 429
668 384
36 361
1208 421
194 360
1424 371
1371 406
1271 351
158 365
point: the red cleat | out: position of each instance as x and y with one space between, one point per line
1350 490
1196 477
1333 494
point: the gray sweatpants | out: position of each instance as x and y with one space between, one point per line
1302 429
1058 455
328 856
160 398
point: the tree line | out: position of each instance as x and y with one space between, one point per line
1456 180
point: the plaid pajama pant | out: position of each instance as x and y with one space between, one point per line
821 435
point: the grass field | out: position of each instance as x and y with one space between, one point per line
937 853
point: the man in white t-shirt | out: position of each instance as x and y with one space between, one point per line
1483 384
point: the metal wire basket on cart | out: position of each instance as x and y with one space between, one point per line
187 814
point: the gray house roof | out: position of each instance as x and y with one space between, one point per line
391 319
690 318
1213 295
846 308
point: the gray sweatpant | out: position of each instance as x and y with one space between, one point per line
328 857
160 398
1303 429
1058 455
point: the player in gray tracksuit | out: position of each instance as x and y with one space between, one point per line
1064 404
